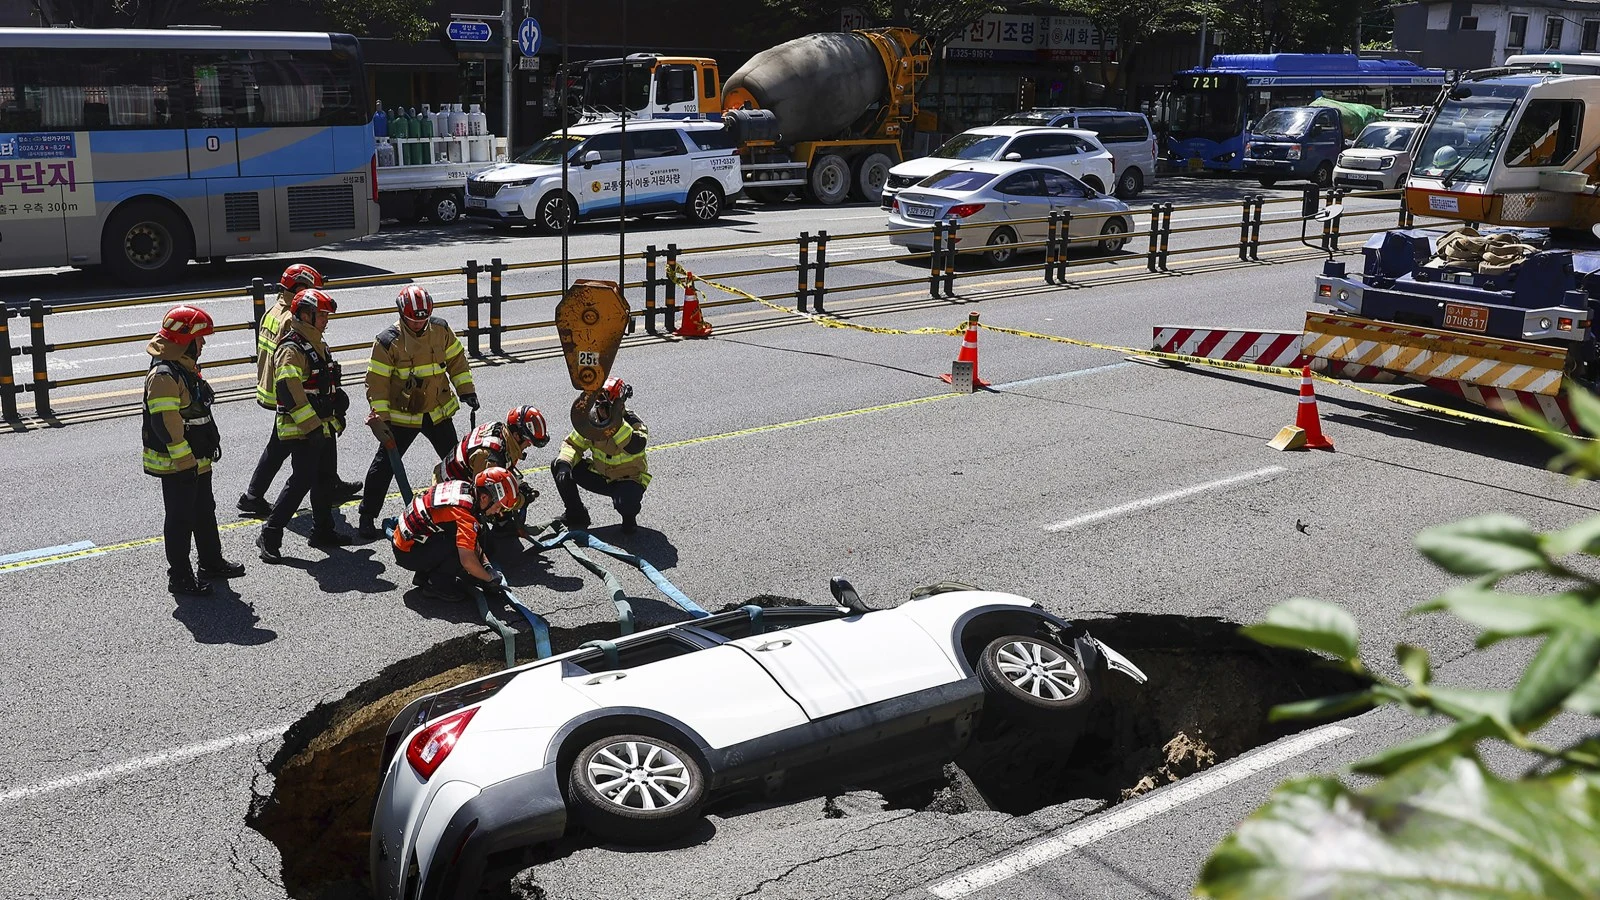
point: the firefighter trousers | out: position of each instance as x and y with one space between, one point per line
442 435
191 516
627 497
313 470
273 456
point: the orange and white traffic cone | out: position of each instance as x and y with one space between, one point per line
968 354
694 325
1306 432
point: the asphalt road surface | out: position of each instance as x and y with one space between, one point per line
138 728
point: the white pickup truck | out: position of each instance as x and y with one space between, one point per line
432 190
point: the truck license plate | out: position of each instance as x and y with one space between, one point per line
478 202
1466 318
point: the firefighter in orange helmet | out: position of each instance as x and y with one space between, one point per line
180 443
437 537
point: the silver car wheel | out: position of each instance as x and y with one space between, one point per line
638 775
1038 669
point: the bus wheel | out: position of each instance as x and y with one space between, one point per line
146 243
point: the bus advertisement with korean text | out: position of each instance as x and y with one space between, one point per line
142 150
1208 110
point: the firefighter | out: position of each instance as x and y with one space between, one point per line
180 443
274 322
615 467
417 371
500 445
311 409
437 536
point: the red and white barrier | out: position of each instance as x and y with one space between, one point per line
1262 348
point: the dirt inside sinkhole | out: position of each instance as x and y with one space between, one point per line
1206 702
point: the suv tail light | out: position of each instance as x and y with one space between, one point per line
428 750
962 210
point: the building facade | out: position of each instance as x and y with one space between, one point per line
1453 34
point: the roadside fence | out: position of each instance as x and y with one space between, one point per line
1072 241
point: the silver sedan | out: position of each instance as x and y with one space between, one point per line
1000 205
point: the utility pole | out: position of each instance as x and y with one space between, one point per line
509 35
1203 21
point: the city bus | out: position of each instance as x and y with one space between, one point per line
139 150
1208 110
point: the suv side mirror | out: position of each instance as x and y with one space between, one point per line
590 158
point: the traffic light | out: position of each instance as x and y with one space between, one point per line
1025 88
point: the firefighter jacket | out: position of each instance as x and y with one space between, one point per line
415 375
490 444
306 382
274 322
618 458
178 432
446 511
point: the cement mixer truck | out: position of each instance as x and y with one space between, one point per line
824 114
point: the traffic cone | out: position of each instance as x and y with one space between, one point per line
969 354
694 325
1306 432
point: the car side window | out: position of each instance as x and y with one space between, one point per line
1060 184
609 146
734 626
657 144
633 654
1022 184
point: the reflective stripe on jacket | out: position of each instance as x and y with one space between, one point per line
490 444
274 322
303 372
621 458
412 376
447 505
166 445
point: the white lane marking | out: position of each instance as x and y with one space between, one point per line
1159 499
154 761
1060 376
26 555
1167 798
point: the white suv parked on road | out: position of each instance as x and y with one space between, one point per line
690 167
1380 159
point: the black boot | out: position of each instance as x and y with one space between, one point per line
576 518
188 585
348 490
325 536
221 568
629 525
270 542
369 529
255 507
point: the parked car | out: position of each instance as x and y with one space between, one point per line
1294 142
1079 153
683 166
1126 134
1380 159
999 205
632 738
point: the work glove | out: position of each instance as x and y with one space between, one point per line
470 400
494 591
380 429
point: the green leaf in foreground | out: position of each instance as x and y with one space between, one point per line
1442 828
1414 662
1302 624
1487 545
1324 707
1565 662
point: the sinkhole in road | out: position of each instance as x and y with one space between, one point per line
1207 701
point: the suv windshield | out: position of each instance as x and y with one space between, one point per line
616 87
1385 137
971 146
1285 122
1462 140
548 150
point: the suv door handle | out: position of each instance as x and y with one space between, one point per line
778 644
605 677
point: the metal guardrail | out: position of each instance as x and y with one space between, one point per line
486 304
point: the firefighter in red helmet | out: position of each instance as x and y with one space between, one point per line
180 443
615 466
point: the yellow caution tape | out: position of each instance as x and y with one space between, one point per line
679 275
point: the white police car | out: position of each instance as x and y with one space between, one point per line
683 166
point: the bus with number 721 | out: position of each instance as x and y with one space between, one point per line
140 150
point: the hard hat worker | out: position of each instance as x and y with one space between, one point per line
417 371
274 322
615 467
437 537
180 443
501 445
311 408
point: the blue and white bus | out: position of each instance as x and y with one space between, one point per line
142 150
1209 109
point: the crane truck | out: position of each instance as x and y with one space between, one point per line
825 114
1502 315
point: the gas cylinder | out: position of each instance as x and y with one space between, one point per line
477 122
458 121
380 122
385 152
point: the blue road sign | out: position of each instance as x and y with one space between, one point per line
529 37
461 30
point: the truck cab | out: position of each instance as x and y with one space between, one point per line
1294 143
651 86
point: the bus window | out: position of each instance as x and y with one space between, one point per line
287 88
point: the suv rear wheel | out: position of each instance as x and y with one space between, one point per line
704 205
636 789
1130 184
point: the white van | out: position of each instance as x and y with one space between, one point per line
1126 134
686 166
